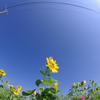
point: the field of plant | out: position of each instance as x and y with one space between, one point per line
51 91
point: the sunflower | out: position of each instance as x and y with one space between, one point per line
74 85
19 87
16 92
82 83
55 85
34 93
2 72
52 65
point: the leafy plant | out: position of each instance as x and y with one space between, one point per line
48 87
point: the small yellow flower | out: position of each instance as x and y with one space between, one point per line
11 86
82 83
55 85
16 92
52 65
74 85
19 87
34 93
2 72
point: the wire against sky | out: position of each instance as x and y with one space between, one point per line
34 1
55 3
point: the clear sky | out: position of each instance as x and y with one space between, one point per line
30 33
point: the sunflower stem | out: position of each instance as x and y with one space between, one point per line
44 77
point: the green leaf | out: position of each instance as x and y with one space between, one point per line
92 81
99 87
15 98
94 85
52 79
0 76
38 82
28 92
48 75
46 98
7 81
48 71
58 90
42 72
49 82
52 96
1 86
38 96
48 91
41 89
53 90
77 82
45 92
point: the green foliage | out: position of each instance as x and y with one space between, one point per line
52 79
1 86
75 98
50 91
42 72
38 82
28 92
49 82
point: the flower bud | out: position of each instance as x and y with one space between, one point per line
73 84
34 93
85 88
11 86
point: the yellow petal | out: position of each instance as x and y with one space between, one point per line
55 84
16 92
19 87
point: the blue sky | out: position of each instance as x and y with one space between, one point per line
30 33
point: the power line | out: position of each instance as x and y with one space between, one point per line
33 0
53 10
55 3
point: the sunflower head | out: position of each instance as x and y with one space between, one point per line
74 85
55 85
19 87
52 65
82 83
2 72
11 86
16 92
34 93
